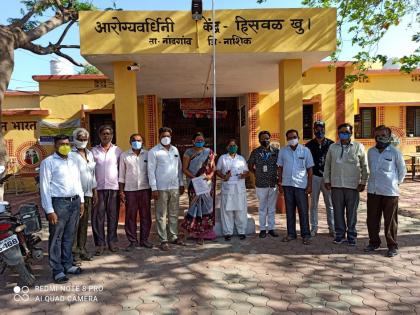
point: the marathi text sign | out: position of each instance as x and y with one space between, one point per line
274 30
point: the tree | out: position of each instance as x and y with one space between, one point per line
22 32
367 21
89 69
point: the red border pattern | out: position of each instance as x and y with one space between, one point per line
252 120
340 97
151 118
381 115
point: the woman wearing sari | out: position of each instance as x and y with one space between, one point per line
199 162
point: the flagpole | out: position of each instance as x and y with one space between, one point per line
214 77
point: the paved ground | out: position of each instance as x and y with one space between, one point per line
255 276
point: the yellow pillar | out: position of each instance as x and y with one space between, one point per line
125 88
290 97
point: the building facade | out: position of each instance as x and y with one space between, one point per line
268 77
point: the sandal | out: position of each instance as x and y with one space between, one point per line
178 242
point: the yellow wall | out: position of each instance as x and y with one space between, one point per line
397 88
321 81
111 28
64 98
24 101
316 81
388 88
269 113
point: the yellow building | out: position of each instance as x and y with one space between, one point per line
268 77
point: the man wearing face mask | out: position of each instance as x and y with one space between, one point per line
387 171
135 192
345 174
166 181
86 164
295 181
319 147
62 199
263 163
107 157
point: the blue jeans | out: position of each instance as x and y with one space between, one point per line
296 197
60 241
345 202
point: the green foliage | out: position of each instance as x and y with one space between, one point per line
89 69
42 7
367 21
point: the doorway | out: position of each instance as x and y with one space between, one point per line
184 124
96 121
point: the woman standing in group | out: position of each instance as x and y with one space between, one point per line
233 169
198 162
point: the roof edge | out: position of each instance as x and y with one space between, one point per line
54 77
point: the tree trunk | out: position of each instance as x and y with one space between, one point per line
7 48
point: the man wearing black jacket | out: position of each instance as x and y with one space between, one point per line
319 147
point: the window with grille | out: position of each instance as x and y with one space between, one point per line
413 121
365 123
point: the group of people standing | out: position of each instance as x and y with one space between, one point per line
340 171
77 184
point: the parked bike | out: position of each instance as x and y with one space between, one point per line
18 240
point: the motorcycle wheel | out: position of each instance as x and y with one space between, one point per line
25 275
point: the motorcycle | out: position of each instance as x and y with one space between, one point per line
18 240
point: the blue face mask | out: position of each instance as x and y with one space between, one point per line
344 136
319 134
136 145
199 144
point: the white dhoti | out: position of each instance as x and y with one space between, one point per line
233 208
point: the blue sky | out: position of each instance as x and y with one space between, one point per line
396 43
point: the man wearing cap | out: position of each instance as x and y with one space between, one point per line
319 147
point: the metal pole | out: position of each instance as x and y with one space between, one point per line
214 76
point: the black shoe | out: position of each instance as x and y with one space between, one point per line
86 257
351 242
273 233
242 236
392 252
338 240
146 244
371 248
228 237
263 234
60 280
288 239
306 241
130 247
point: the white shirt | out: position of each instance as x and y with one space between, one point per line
387 171
59 177
164 168
87 171
133 170
236 165
295 164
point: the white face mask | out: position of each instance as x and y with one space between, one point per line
165 140
80 144
293 142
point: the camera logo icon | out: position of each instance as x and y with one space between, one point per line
21 294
